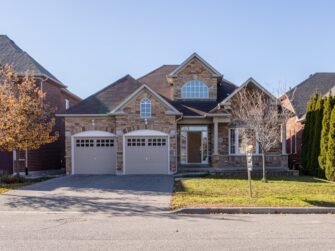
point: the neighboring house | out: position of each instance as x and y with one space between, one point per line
50 156
176 115
296 101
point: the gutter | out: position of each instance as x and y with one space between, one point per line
82 115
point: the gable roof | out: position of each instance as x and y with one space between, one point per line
225 88
157 80
299 96
254 82
195 55
105 100
21 61
131 96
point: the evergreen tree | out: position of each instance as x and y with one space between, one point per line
330 164
315 145
307 137
327 109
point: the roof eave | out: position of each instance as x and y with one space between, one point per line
216 73
81 115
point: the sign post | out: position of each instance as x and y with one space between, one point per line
249 167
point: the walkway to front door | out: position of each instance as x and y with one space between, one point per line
194 145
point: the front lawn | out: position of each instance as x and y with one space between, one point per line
278 192
11 182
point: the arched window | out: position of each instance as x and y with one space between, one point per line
145 108
194 89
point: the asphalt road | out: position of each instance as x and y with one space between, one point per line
103 231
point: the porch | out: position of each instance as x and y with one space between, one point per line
206 145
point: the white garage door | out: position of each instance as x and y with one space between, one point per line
94 155
146 154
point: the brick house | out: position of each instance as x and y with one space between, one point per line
296 101
175 116
50 156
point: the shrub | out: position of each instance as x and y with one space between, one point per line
12 179
330 166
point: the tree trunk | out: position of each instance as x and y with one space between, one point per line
249 183
264 171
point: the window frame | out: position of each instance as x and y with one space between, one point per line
195 88
236 134
67 104
147 114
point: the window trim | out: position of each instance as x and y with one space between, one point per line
237 143
146 101
67 104
195 81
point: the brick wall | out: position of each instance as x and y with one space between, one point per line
121 124
51 156
195 70
273 158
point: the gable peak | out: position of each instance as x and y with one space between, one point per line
215 72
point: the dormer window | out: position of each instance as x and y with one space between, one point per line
194 89
145 108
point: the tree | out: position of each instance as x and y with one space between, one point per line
330 160
263 115
307 136
327 109
26 122
315 144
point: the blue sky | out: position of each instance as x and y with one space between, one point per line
89 44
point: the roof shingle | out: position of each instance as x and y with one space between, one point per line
321 82
106 99
21 61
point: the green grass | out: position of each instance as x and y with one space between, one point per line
278 192
23 182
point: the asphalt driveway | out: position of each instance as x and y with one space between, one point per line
109 194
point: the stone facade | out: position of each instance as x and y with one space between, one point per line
164 119
224 160
192 71
127 122
159 121
272 159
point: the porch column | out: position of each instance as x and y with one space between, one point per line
283 136
216 137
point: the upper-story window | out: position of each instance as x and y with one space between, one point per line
145 108
194 89
67 104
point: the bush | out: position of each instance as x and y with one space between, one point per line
330 166
12 179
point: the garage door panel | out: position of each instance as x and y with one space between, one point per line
146 155
94 156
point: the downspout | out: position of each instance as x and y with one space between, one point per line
42 80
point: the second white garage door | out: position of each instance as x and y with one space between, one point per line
146 152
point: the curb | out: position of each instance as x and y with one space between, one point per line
257 210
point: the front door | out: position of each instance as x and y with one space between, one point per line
194 147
